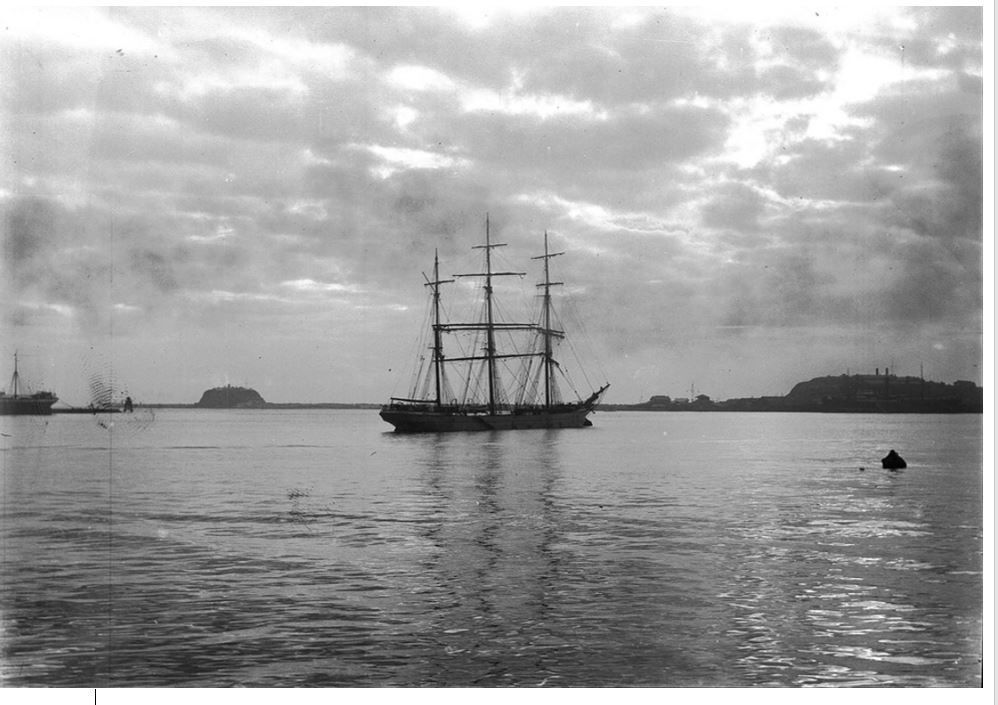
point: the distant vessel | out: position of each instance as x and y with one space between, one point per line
528 399
17 404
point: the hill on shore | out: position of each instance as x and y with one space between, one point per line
229 397
876 393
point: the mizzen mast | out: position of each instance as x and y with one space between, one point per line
547 331
15 378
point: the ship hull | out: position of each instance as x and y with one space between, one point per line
429 421
26 406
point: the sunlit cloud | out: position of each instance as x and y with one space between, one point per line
269 77
311 208
403 116
222 296
541 106
399 158
598 217
310 285
80 28
479 16
419 78
222 232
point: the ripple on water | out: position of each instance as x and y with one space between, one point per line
321 552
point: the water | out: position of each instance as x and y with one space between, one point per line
313 548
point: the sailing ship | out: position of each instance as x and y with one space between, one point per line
521 388
17 404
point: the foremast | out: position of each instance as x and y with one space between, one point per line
438 344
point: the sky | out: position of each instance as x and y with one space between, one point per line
746 198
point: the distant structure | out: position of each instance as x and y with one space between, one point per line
885 393
229 397
880 392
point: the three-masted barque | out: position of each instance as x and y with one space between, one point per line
498 388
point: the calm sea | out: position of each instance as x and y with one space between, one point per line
315 548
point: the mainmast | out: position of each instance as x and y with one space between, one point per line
490 326
15 378
548 333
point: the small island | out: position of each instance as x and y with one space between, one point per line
229 397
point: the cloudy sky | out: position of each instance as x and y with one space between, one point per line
746 198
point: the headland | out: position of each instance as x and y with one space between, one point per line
851 394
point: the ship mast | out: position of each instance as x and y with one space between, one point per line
438 347
490 330
548 356
15 378
490 326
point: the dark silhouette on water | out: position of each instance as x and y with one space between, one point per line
893 461
529 399
19 404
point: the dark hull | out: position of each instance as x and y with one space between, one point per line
26 406
429 421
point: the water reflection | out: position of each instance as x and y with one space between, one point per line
493 566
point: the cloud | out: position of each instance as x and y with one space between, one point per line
733 205
719 182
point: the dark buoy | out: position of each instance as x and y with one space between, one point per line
893 461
